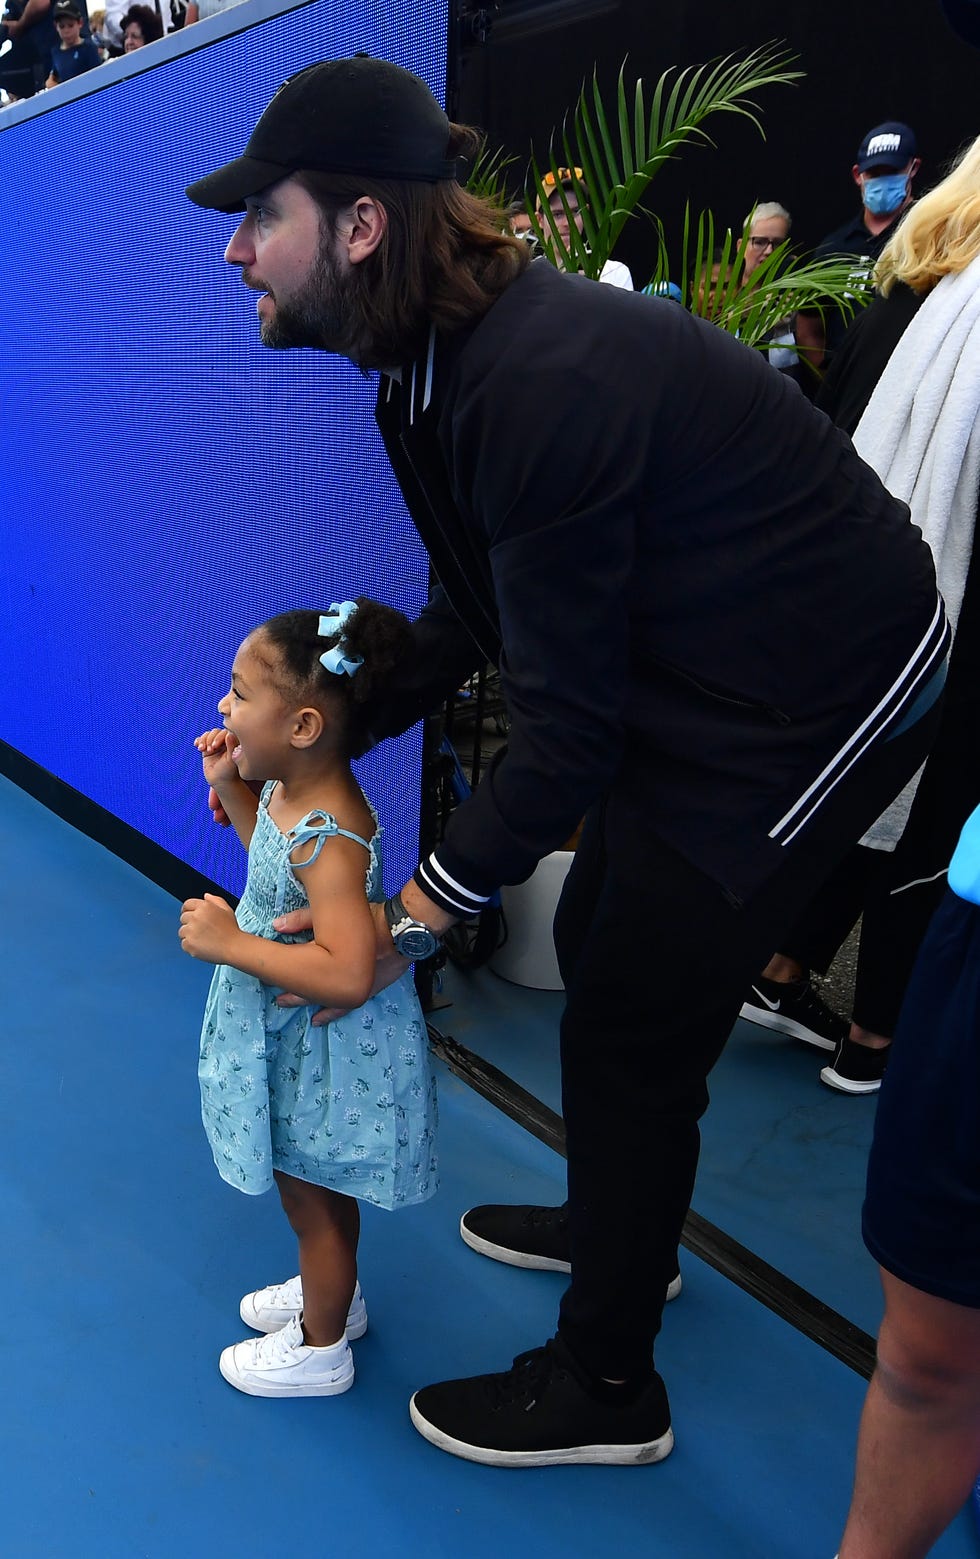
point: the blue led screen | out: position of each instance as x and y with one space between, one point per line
167 481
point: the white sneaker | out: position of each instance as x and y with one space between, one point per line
270 1309
283 1365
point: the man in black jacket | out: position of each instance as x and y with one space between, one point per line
719 639
886 164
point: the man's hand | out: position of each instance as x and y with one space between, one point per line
390 964
209 930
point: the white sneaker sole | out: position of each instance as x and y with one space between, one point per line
606 1455
520 1258
256 1387
274 1320
847 1084
783 1025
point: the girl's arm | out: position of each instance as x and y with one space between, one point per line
336 969
238 800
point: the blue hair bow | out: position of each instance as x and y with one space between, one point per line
337 659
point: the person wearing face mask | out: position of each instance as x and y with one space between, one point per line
887 162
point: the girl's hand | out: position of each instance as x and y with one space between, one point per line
208 929
216 748
218 813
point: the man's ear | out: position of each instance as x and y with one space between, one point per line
307 728
856 175
362 228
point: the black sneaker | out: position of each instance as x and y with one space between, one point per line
526 1237
856 1068
541 1414
794 1008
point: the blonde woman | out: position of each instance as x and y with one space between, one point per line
928 278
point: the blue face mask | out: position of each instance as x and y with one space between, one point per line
885 194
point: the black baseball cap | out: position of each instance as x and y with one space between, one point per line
66 8
891 145
359 115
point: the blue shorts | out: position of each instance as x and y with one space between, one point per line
922 1208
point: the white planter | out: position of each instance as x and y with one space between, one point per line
528 955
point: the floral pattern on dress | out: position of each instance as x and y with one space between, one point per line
350 1105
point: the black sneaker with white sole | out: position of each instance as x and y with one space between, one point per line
544 1412
794 1008
524 1236
856 1068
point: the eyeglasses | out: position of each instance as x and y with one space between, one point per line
764 243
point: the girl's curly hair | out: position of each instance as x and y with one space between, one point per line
378 633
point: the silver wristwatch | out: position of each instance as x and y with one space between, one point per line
411 938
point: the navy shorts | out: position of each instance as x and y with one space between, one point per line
922 1208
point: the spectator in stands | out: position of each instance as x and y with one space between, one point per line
74 55
111 29
34 27
96 22
704 286
520 222
17 58
140 26
887 162
564 199
906 383
764 229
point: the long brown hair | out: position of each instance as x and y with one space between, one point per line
445 257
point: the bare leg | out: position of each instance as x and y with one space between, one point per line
919 1444
785 970
327 1225
869 1038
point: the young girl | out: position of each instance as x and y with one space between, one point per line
331 1113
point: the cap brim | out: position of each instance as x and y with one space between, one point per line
890 161
229 187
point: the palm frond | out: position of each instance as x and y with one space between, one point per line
487 175
620 149
781 285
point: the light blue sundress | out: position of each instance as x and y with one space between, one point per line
350 1105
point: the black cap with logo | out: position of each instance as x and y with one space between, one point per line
891 145
353 116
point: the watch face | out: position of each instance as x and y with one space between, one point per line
417 943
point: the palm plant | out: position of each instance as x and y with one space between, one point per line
781 284
607 160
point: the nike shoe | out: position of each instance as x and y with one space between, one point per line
856 1068
270 1309
794 1008
283 1364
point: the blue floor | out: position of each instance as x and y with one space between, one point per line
783 1157
126 1257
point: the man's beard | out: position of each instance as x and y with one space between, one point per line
318 314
